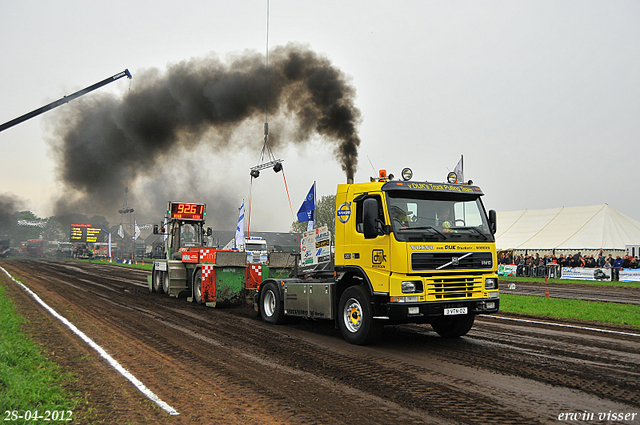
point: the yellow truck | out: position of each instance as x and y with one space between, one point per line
405 252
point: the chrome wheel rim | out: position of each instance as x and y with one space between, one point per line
352 315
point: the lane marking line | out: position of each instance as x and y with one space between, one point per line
559 324
117 366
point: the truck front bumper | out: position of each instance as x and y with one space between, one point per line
424 312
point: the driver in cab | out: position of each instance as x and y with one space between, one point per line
187 234
445 220
399 217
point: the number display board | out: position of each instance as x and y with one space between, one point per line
85 233
186 211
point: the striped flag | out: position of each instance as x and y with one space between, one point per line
240 228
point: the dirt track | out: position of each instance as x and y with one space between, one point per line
225 366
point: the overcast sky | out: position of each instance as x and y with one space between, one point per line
541 97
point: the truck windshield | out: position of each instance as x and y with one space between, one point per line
427 216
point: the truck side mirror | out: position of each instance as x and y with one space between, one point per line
370 209
493 222
209 232
155 229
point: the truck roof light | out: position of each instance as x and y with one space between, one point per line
407 174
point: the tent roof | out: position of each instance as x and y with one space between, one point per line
594 227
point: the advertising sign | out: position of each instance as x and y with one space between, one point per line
581 273
316 246
629 275
507 270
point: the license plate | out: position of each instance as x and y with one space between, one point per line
455 311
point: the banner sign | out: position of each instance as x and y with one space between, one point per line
629 275
581 273
316 246
507 269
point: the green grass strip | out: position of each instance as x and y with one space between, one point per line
505 279
28 381
609 313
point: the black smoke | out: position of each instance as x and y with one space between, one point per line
103 143
9 206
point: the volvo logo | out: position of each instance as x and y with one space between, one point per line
455 261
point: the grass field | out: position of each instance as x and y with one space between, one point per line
28 381
596 311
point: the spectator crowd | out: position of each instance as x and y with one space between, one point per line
534 265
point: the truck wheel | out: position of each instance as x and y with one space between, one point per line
197 288
453 326
271 305
165 282
157 281
355 317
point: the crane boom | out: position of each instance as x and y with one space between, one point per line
64 100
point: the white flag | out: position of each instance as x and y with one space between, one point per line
136 230
459 172
121 232
165 231
240 228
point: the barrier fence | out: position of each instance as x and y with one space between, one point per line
554 271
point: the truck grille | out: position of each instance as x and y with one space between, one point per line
447 288
451 261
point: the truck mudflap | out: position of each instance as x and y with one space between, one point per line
424 312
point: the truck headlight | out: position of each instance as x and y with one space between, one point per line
411 287
491 283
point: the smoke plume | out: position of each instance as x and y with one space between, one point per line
9 205
104 142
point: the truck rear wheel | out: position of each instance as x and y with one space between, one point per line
453 326
197 288
157 281
271 305
355 317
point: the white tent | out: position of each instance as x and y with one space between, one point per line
567 228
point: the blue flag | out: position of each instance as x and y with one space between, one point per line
305 213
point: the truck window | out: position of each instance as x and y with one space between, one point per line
360 212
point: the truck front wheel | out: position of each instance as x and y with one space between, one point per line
453 326
355 317
271 305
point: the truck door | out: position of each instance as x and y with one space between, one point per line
371 255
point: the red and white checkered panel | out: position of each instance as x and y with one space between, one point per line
208 275
208 255
254 276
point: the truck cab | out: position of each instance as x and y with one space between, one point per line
405 252
256 249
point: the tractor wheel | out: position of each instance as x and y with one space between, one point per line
197 287
157 281
165 282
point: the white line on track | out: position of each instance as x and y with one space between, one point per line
117 366
559 324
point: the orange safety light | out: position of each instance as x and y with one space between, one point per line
383 174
